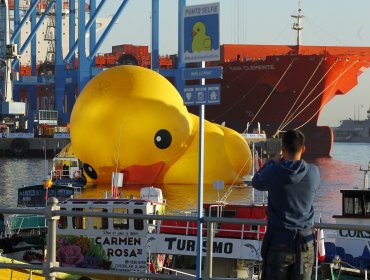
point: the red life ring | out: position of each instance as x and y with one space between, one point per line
77 174
55 174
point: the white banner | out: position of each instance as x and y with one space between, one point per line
222 247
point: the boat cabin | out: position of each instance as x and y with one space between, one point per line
27 232
67 170
353 245
355 203
104 242
37 195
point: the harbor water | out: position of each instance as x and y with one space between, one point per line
340 171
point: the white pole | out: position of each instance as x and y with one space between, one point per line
8 88
200 187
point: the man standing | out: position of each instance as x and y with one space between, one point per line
288 247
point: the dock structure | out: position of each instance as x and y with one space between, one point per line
31 147
43 47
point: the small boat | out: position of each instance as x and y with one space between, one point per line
355 131
108 243
7 273
67 171
236 247
347 253
23 236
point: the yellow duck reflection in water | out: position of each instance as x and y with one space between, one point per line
132 119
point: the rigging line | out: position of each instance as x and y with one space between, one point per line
323 103
295 112
295 102
323 92
229 190
237 77
318 95
268 97
244 95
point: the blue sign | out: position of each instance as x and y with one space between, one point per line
200 73
188 96
201 34
202 95
213 94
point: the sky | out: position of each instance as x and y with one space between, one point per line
326 22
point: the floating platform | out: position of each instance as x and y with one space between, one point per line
30 146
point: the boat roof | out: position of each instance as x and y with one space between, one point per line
354 191
109 201
35 195
66 158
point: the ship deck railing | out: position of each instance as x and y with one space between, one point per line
52 214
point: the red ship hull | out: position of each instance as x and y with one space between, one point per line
283 87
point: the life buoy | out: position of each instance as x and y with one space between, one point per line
55 174
77 174
19 146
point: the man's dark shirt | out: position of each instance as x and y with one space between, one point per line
291 187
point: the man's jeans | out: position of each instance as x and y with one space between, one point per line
280 263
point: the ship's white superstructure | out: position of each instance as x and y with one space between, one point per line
353 130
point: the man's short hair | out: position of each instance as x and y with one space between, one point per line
293 141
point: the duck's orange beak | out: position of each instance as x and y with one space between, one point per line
142 174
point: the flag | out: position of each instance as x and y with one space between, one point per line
319 235
257 162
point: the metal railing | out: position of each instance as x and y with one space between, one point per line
52 213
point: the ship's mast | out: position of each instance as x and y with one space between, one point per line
297 25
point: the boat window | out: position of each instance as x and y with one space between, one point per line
138 223
79 222
100 202
229 213
100 222
367 204
352 206
120 223
62 223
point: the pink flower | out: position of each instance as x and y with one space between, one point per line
69 255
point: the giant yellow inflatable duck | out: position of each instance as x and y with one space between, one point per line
132 119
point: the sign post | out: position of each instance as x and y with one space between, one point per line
201 43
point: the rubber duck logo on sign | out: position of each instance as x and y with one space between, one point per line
201 41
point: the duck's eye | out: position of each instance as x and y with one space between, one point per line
89 170
162 139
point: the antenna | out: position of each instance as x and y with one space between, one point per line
117 178
119 147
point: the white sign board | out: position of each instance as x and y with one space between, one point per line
201 34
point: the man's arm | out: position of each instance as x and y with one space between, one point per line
262 178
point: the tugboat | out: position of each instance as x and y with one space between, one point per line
348 252
67 171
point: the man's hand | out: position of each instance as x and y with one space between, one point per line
278 157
